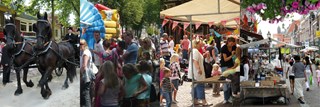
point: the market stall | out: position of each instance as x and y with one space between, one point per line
267 82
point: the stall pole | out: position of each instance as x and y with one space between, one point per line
191 59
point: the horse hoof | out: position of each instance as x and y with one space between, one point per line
18 92
30 84
46 95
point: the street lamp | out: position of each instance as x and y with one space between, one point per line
269 37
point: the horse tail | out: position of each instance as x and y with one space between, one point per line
72 72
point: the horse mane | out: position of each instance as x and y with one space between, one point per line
49 34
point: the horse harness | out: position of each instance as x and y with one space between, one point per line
21 51
60 55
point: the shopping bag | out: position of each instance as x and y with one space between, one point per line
311 80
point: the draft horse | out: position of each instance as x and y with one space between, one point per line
21 52
51 54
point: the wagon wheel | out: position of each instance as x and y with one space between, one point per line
59 71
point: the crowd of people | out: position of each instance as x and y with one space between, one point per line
205 61
117 72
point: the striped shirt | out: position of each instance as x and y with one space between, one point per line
164 47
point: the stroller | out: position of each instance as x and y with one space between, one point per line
184 67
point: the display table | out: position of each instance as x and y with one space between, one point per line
264 92
214 79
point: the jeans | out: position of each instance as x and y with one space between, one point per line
167 60
168 97
185 54
226 87
175 83
199 92
85 98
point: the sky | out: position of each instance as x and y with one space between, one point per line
72 17
265 26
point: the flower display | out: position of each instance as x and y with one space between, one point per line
276 10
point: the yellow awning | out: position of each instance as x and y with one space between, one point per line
225 10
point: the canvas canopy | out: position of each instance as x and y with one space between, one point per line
205 11
265 41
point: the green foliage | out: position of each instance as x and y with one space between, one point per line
63 7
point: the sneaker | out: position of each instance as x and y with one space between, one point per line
225 102
301 101
230 100
308 89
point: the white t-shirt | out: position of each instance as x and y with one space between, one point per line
99 48
87 53
198 57
171 46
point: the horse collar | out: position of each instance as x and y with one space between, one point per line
23 45
47 48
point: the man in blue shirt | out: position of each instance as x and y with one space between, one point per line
131 54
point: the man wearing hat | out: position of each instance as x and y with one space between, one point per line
73 40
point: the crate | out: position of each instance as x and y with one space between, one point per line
247 84
267 83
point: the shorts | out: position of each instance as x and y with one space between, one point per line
175 83
291 78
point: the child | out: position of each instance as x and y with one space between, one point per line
318 75
216 72
110 89
144 97
134 85
175 77
162 66
167 86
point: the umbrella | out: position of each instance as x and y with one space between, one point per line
90 19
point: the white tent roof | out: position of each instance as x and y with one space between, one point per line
264 41
228 10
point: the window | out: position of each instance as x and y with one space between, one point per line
23 26
30 27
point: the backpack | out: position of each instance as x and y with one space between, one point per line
153 94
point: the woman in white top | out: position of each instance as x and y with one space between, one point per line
291 76
197 72
85 63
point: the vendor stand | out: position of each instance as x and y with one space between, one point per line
267 83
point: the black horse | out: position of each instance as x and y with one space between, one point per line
21 51
51 54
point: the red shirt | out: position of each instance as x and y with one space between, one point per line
185 44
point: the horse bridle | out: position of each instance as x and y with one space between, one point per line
40 36
13 36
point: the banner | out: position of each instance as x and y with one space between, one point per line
185 25
223 22
197 24
175 23
210 23
164 22
237 20
217 34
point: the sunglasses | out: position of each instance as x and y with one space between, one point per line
81 44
